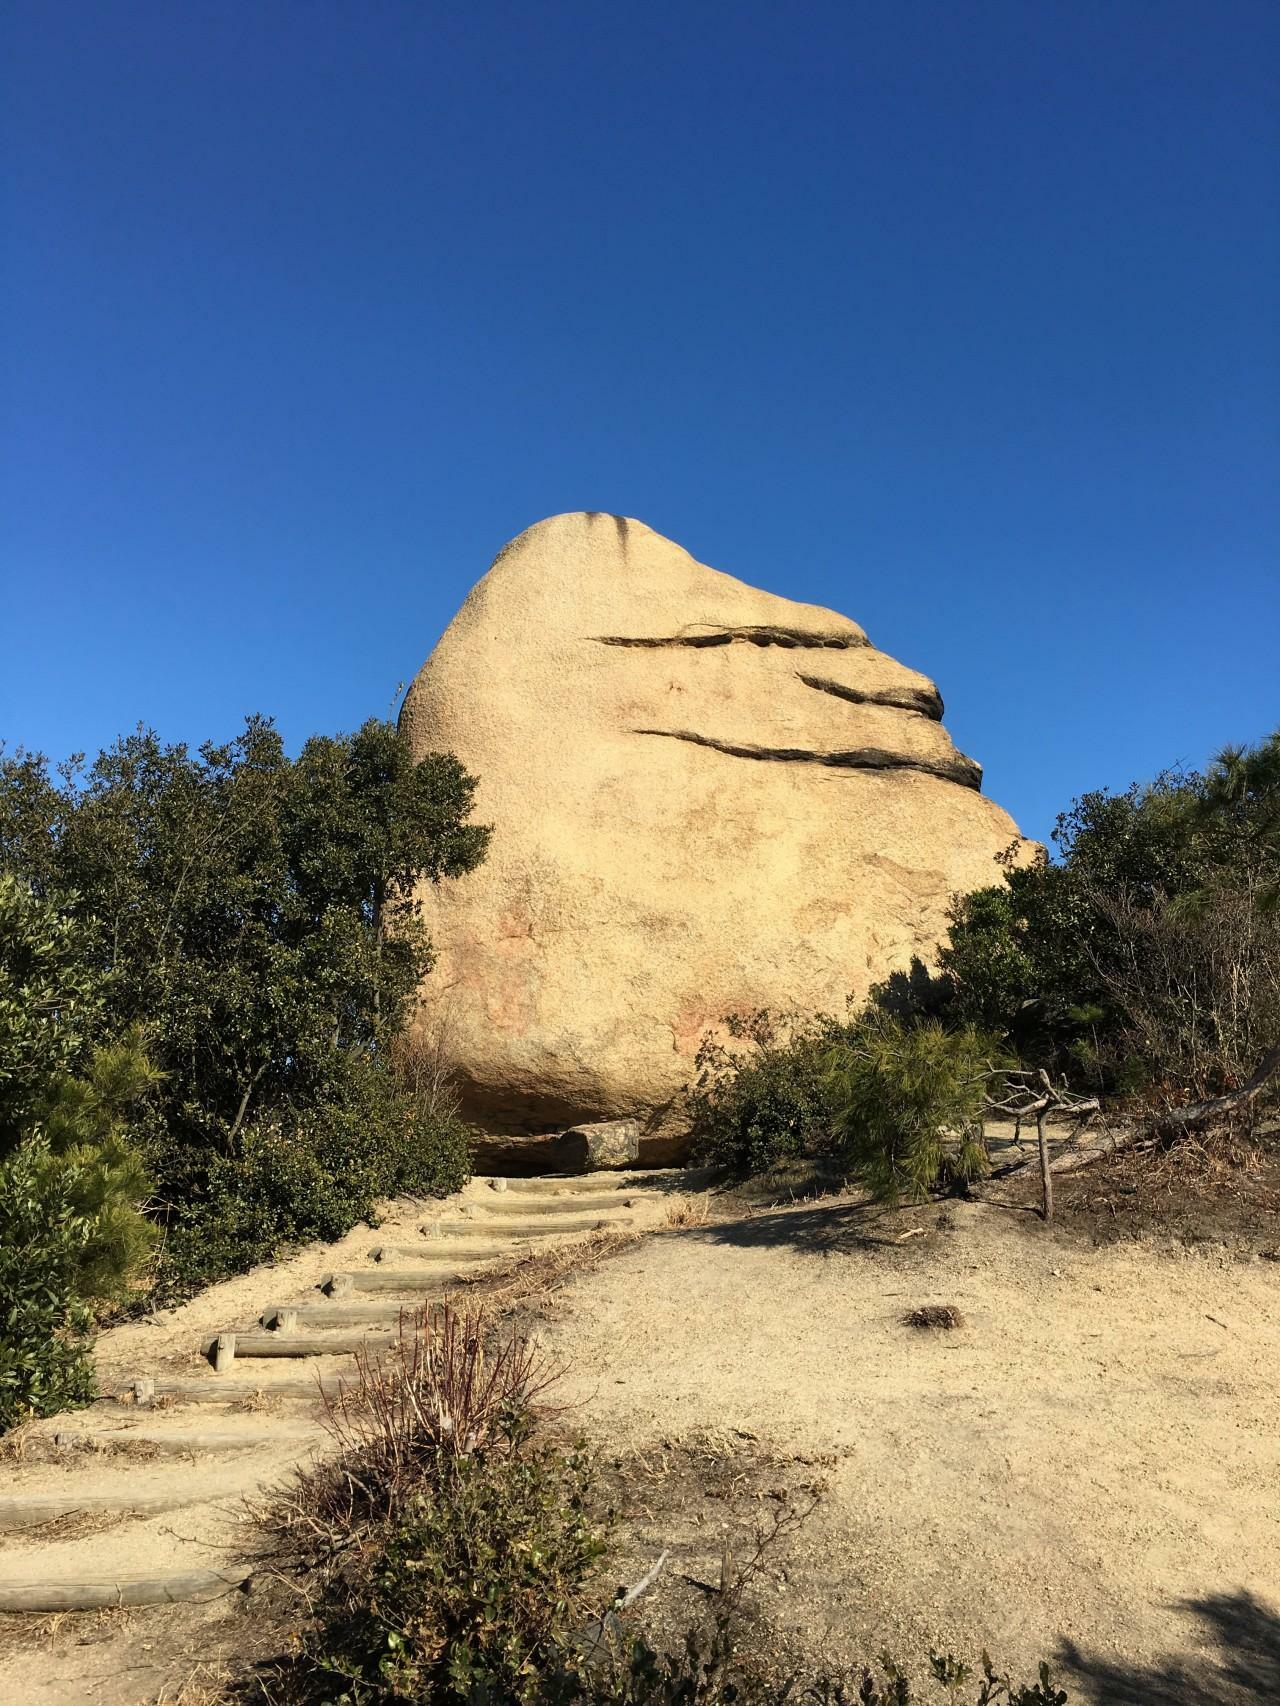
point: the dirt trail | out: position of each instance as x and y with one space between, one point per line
1092 1454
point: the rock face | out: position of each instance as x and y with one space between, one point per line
706 799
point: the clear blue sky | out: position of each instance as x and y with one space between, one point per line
958 316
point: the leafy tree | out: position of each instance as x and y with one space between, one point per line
66 1097
44 1325
1147 954
51 999
256 914
72 1184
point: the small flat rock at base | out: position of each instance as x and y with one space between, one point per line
605 1144
600 1146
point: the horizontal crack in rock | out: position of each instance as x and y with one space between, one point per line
803 638
926 701
959 769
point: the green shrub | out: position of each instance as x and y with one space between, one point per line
895 1102
908 1102
472 1594
769 1101
448 1548
44 1342
315 1174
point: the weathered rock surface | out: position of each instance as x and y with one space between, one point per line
605 1144
705 799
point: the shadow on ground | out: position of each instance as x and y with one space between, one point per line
827 1228
1245 1665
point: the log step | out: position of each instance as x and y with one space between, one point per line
298 1345
572 1186
314 1386
430 1250
426 1282
486 1224
528 1206
337 1314
18 1511
172 1589
186 1444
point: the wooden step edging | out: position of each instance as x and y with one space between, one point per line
284 1317
450 1260
172 1589
315 1386
18 1511
600 1183
425 1281
187 1444
228 1346
488 1225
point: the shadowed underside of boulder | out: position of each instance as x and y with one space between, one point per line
706 799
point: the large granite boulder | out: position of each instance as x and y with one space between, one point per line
706 799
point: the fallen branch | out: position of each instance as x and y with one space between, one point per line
1202 1113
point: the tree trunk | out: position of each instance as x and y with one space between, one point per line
243 1109
1046 1177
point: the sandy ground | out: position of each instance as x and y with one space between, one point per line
1088 1467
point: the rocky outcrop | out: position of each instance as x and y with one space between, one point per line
705 798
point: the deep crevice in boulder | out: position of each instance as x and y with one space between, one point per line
925 702
961 770
803 638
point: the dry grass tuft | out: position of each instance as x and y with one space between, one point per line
944 1315
14 1444
451 1386
688 1211
542 1271
206 1685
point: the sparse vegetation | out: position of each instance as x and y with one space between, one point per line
1145 959
451 1551
1141 965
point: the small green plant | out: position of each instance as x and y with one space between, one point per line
765 1097
908 1103
471 1594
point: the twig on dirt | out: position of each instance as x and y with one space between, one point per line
630 1595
